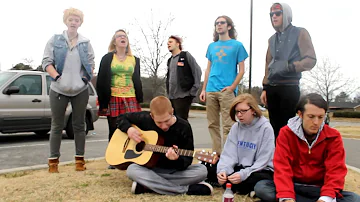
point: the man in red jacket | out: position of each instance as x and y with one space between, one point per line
309 159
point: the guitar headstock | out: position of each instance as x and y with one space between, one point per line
205 156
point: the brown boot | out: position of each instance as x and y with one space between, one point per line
53 165
79 163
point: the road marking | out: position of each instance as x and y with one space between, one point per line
35 145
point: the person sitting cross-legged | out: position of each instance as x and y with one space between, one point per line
172 174
247 157
309 159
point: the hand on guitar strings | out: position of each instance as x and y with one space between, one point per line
172 153
134 134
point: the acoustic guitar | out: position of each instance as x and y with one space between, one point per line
122 151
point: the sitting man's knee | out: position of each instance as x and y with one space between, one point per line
131 171
265 190
201 170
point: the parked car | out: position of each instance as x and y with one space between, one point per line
25 105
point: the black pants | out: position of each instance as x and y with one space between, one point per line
182 106
281 101
248 185
112 126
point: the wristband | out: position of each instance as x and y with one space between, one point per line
57 77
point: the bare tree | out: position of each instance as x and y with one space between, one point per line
152 50
326 79
28 61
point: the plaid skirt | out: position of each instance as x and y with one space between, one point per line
121 105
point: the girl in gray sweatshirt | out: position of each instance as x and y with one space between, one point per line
247 156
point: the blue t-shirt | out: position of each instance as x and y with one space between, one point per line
224 57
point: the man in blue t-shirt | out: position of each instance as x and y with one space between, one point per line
222 78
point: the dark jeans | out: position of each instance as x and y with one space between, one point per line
182 106
281 103
266 191
248 185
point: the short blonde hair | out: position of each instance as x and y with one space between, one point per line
248 99
160 105
73 11
112 46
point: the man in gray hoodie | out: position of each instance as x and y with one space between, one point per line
289 53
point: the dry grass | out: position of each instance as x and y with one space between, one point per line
349 131
98 184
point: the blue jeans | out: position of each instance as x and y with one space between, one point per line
266 191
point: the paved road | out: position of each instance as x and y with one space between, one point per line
28 150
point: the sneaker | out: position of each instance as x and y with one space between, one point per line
213 183
111 167
137 188
202 188
252 194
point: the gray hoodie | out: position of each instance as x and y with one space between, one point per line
287 16
295 124
250 146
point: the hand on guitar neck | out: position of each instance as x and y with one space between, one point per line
172 153
135 134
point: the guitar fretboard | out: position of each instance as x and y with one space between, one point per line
163 149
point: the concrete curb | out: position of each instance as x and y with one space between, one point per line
353 168
42 166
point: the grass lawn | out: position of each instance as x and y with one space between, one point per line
98 184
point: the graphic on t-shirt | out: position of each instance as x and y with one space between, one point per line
221 54
121 82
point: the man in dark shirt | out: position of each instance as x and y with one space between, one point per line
183 77
173 174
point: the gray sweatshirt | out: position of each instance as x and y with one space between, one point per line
250 146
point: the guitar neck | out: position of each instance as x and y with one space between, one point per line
163 149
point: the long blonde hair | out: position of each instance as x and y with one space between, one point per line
112 47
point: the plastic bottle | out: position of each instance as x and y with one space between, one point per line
228 195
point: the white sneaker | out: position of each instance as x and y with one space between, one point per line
208 185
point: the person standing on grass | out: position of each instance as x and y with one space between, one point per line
224 72
309 159
172 174
69 60
118 83
182 79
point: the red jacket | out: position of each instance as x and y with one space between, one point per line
322 165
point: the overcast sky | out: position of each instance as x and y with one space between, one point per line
333 26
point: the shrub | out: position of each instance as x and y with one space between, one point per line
147 105
347 114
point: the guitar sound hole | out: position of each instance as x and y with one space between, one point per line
140 146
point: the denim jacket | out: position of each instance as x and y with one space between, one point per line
60 50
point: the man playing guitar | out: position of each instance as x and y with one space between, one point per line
172 174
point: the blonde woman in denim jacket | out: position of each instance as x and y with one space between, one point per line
69 60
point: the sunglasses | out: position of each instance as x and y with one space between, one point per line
220 23
277 13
